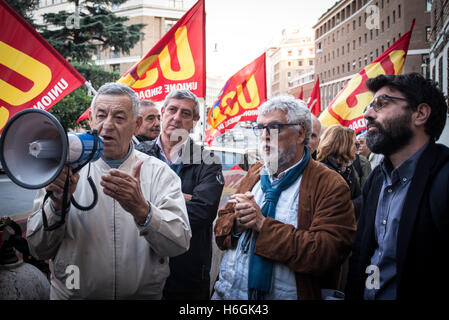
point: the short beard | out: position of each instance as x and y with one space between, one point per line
278 158
392 137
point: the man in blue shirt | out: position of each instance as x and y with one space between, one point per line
402 238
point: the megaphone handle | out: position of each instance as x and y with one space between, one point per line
94 202
63 211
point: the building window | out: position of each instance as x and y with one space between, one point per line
388 22
353 25
360 62
115 68
353 44
289 63
349 46
440 73
169 24
310 62
366 60
342 68
353 65
360 21
428 5
289 53
382 48
428 34
399 11
394 16
300 62
383 27
349 66
360 42
343 50
366 38
377 53
300 51
371 34
289 74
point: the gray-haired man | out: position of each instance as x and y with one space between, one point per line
202 184
120 248
292 223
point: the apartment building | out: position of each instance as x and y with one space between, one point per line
439 52
353 33
293 57
158 16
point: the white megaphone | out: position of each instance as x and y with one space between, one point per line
34 147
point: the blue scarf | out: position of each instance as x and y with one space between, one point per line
260 269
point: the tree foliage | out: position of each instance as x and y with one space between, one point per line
77 34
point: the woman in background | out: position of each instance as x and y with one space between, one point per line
337 151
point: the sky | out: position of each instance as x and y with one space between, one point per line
243 29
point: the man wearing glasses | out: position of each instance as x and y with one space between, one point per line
291 224
402 241
202 183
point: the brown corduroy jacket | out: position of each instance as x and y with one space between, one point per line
326 230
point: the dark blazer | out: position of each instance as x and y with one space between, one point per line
423 235
189 272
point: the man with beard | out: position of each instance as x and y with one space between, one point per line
402 241
291 223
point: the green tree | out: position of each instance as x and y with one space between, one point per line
77 34
68 110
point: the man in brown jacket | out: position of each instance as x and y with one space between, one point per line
291 224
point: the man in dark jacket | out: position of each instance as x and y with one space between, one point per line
202 183
402 241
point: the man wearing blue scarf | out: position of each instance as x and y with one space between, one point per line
291 223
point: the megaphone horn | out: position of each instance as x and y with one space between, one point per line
34 148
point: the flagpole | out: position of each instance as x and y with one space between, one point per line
90 88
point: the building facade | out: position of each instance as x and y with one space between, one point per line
157 15
293 57
439 52
353 33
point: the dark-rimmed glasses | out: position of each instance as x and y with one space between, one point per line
380 101
259 128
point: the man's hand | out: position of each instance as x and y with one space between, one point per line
57 187
187 197
248 213
126 190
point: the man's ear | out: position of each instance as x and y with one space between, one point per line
90 118
422 114
138 124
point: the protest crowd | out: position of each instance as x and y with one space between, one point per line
355 209
297 228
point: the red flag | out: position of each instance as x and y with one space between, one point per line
301 92
32 73
177 61
239 99
314 103
347 107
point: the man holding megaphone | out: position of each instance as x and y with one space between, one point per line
119 249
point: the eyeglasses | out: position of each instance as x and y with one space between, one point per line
380 102
259 128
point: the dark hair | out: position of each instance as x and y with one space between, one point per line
417 90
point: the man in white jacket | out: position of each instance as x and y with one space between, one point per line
120 248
